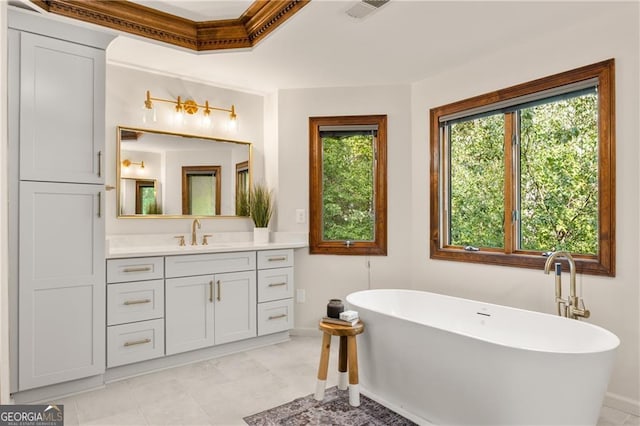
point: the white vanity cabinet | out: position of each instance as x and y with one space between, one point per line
56 91
216 305
275 291
135 310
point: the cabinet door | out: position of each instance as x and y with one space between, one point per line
62 283
62 97
189 313
235 306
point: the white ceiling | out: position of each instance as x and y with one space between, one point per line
320 46
199 10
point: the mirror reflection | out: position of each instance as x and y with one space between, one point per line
176 175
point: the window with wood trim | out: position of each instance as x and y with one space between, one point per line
348 185
201 190
527 170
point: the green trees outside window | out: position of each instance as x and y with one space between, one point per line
477 182
348 185
556 201
527 170
347 182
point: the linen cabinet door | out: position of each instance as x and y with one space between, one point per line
62 98
189 306
62 283
235 306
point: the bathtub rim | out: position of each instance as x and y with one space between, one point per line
615 340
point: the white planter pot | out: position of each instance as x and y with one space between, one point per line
260 235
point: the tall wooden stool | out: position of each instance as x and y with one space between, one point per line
348 354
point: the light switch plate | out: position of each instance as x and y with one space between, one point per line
301 216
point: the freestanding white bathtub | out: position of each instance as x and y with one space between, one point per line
452 361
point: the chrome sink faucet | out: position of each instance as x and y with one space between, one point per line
194 240
570 306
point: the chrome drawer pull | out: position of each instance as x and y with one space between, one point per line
137 342
277 284
139 269
277 316
277 259
137 302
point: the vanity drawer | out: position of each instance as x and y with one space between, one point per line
275 284
136 301
211 263
275 316
135 342
268 259
136 269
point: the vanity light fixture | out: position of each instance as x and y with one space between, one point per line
127 163
189 107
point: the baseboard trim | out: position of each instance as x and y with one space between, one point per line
58 391
305 332
47 394
622 403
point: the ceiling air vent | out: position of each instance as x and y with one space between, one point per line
365 7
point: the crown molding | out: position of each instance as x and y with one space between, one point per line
260 18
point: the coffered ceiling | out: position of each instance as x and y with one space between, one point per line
169 22
319 45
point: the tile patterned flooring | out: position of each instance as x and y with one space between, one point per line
222 391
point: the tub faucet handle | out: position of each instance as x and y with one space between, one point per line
578 311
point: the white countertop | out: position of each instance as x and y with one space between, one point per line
119 246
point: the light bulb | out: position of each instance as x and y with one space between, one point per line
148 115
232 124
206 120
178 116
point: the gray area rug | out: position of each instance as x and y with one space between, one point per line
333 410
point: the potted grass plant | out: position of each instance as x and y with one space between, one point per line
260 210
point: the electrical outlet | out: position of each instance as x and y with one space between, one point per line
300 295
301 216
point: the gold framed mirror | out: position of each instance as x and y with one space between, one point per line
175 175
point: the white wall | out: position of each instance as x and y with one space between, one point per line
614 302
126 90
326 276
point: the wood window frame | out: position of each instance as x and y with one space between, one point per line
186 170
143 183
316 244
603 263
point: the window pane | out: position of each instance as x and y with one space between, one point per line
148 194
348 186
202 194
559 180
476 187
